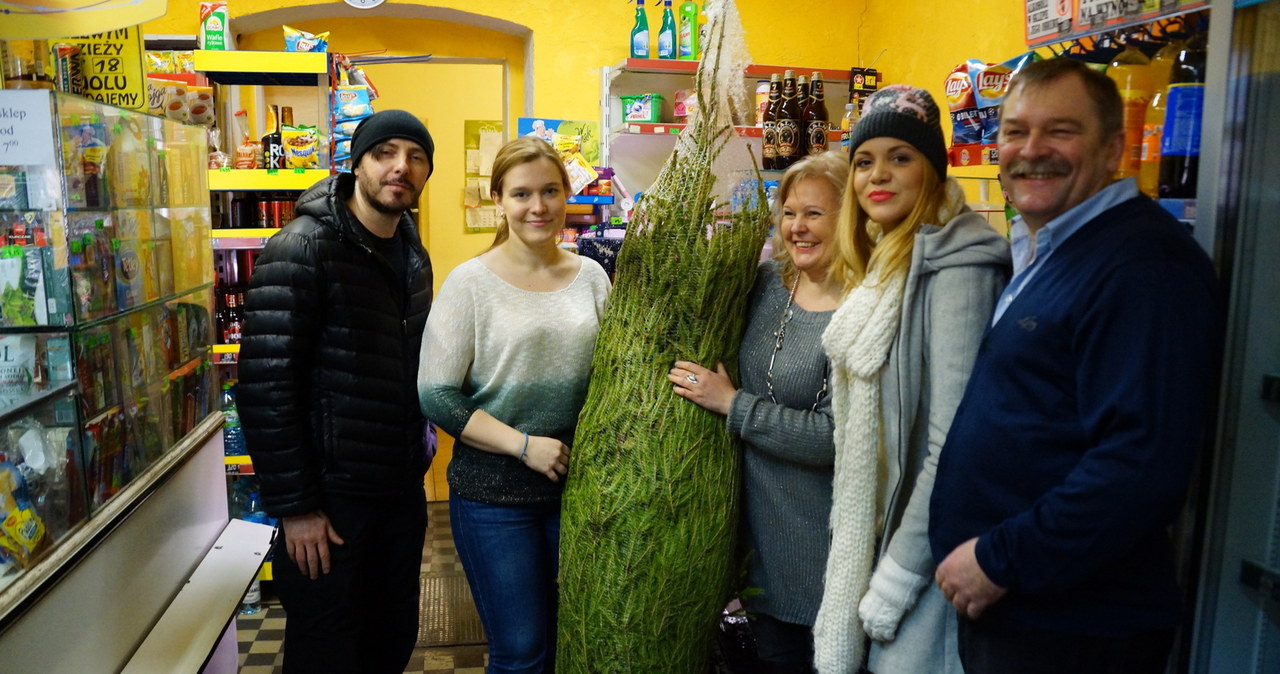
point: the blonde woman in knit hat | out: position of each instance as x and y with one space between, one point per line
783 415
925 273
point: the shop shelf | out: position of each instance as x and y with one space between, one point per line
674 128
225 354
243 180
1182 209
263 67
590 199
234 239
238 465
658 66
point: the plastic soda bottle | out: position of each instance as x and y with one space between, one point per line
232 434
252 601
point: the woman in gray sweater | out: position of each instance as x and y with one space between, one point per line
782 413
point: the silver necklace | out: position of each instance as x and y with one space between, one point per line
778 337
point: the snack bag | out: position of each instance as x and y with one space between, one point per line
215 32
966 125
159 62
184 61
990 84
345 128
300 40
301 146
351 103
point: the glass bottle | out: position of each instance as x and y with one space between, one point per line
787 123
815 117
769 134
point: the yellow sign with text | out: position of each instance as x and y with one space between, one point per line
112 67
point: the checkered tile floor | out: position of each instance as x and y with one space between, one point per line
260 636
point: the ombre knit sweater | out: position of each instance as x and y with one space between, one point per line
522 356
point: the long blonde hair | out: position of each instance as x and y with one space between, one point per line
857 254
515 153
830 166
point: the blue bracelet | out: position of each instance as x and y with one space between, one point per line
524 450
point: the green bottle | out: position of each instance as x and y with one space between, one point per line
667 33
688 38
640 34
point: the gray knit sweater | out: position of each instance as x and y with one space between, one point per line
789 454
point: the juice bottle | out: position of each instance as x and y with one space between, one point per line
1131 71
1162 63
1153 125
1152 132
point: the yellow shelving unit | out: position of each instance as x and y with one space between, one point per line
243 180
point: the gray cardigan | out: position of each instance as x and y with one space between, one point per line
957 273
788 454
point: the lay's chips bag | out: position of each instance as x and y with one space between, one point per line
990 84
966 122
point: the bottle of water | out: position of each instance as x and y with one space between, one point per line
232 435
252 601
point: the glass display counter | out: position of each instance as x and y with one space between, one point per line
105 311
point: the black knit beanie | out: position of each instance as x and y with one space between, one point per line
908 114
388 124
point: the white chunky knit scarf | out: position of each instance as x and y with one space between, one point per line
857 340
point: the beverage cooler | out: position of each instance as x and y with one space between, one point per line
1237 560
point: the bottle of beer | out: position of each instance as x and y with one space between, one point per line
1184 110
815 118
769 136
787 124
272 144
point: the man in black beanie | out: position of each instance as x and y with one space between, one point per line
329 406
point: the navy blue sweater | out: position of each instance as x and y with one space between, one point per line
1078 433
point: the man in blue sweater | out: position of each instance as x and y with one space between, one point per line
1078 433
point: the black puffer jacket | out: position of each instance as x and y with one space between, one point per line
329 359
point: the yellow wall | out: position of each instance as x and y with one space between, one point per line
555 51
569 41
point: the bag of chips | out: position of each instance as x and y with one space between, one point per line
990 84
966 124
300 40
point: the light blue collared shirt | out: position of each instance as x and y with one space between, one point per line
1026 261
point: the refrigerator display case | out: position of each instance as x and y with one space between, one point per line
105 314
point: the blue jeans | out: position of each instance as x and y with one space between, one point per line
511 555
